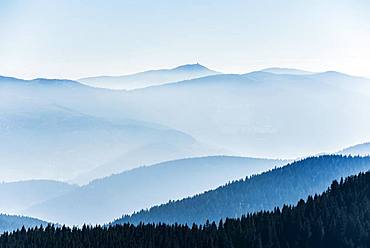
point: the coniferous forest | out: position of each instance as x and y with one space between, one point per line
340 217
285 185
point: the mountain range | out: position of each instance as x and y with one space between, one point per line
9 223
262 114
67 131
70 204
64 130
60 129
339 217
285 185
104 199
149 78
288 71
19 196
360 150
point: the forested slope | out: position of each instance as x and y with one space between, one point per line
340 217
285 185
13 222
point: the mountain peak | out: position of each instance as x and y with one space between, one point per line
333 73
191 67
150 78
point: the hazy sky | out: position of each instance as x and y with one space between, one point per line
72 39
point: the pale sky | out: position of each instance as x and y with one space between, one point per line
79 38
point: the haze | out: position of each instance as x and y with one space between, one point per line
74 39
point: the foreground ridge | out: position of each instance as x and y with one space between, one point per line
284 185
340 217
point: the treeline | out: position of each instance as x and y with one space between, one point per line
340 217
286 185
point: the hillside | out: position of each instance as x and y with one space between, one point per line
104 199
357 150
18 196
63 130
10 223
60 129
97 132
262 114
285 185
149 78
340 217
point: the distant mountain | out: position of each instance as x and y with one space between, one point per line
262 114
155 152
285 185
10 223
149 78
104 199
357 150
278 70
18 196
345 82
80 133
11 82
61 129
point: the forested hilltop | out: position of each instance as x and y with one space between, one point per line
13 222
340 217
285 185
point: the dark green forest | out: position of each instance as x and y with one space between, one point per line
340 217
285 185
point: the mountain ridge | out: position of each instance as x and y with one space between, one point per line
152 184
362 149
33 192
9 223
337 217
42 81
149 78
180 67
63 132
274 188
284 70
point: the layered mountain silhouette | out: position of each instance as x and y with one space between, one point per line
339 217
60 129
262 114
285 185
279 70
360 150
104 199
9 223
19 196
69 131
149 78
